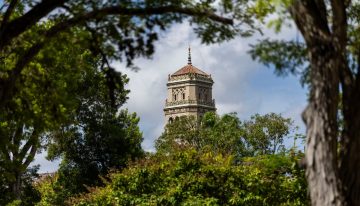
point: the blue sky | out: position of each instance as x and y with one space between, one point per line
241 84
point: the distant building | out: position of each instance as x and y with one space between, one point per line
43 177
189 93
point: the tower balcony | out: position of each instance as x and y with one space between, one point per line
190 76
190 102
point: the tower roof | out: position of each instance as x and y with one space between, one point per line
189 68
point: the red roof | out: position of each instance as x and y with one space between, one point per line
189 69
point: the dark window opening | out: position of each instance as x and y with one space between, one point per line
183 95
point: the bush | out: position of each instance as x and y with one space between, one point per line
193 178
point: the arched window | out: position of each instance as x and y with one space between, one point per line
183 95
171 120
175 97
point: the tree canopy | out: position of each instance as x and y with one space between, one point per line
192 178
221 135
100 138
266 133
262 134
66 89
46 101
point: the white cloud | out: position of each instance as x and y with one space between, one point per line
237 78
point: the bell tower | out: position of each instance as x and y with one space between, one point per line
189 92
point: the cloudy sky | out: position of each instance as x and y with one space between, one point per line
241 84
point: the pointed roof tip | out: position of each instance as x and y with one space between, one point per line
189 68
189 57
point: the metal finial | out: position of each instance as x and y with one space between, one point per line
189 57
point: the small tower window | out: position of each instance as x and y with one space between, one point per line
183 95
206 96
199 95
175 97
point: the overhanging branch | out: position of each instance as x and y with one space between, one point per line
14 28
8 85
8 13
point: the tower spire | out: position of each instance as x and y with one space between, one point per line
189 57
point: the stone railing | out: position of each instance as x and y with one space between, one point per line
190 76
195 102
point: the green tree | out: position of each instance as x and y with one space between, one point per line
263 134
50 99
266 133
182 132
222 135
100 138
328 59
108 144
41 105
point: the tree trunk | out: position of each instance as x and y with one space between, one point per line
350 158
16 186
326 44
322 130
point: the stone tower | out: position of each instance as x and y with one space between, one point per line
189 93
